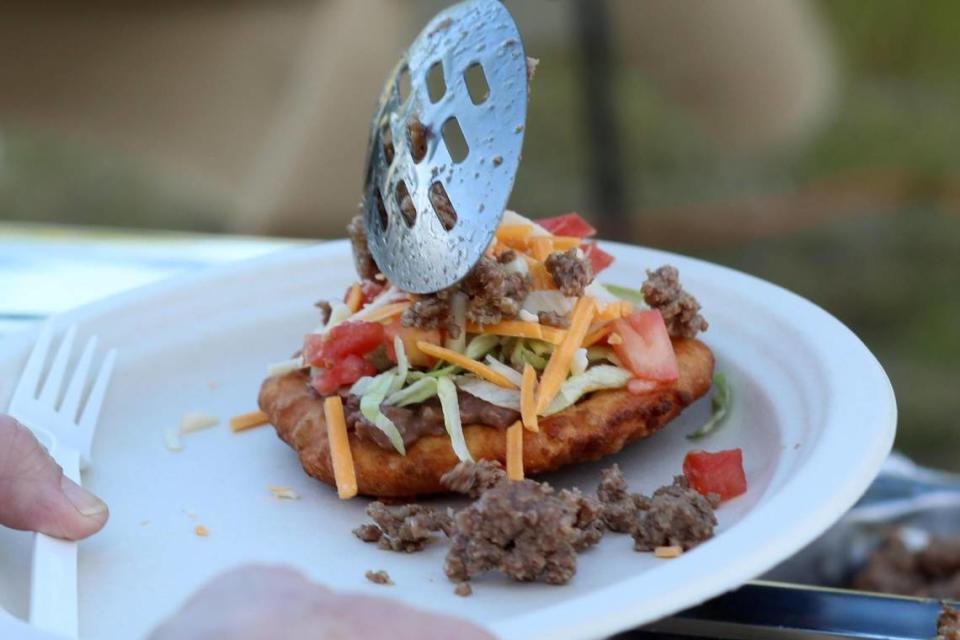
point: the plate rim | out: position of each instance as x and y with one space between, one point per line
611 609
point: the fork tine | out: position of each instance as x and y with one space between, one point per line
71 401
54 382
91 411
30 378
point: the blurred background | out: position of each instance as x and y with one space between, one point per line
812 143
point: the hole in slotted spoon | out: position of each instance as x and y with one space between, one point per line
456 143
436 84
386 138
405 202
381 211
403 84
477 85
442 206
417 134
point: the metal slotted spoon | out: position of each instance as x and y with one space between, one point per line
432 202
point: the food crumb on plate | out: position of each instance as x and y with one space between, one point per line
673 551
171 438
283 493
197 421
144 523
201 531
463 589
379 577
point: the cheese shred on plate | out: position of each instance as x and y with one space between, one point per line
197 421
248 421
342 458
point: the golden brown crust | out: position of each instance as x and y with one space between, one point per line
598 426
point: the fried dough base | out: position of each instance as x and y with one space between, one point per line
598 426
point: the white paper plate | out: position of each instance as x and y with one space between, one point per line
814 414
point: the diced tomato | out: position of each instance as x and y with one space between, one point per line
410 336
645 347
599 259
358 338
343 372
325 382
720 473
570 224
640 386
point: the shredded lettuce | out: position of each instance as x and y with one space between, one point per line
580 362
522 354
482 345
719 404
360 386
447 392
494 394
370 403
601 376
506 371
435 373
403 365
540 347
630 295
423 389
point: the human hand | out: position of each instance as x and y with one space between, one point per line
34 493
277 603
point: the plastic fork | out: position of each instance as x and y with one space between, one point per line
66 428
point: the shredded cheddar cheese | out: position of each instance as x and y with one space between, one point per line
201 531
562 243
515 451
615 310
520 329
354 298
597 333
514 235
341 456
248 421
559 365
473 366
528 402
384 312
541 247
542 280
672 551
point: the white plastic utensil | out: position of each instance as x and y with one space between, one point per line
67 432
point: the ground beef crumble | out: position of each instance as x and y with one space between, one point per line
931 572
472 479
524 530
680 310
362 258
554 319
493 293
406 528
619 505
948 624
325 310
418 134
378 577
570 272
676 515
